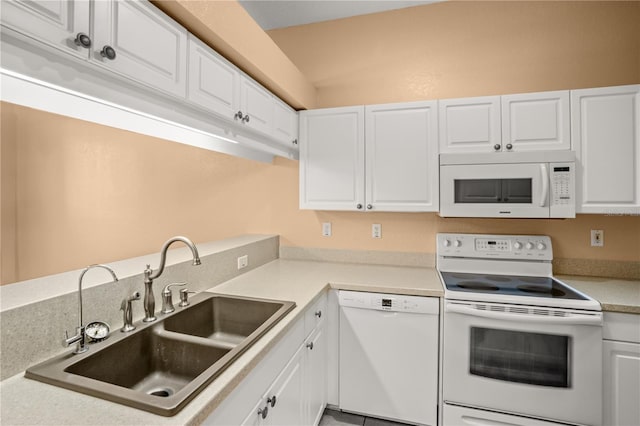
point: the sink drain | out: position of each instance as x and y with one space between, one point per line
162 392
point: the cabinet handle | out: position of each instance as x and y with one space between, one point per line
245 119
359 206
108 52
263 412
497 147
239 115
310 346
83 40
369 206
319 314
509 146
272 401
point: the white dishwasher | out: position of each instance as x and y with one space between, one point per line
389 356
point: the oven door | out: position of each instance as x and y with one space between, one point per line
494 190
543 363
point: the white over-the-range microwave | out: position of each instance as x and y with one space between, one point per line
508 184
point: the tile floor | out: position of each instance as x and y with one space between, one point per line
338 418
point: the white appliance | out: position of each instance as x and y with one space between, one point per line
389 356
508 184
518 344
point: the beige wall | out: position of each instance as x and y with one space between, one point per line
459 49
86 193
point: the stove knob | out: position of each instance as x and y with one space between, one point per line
446 243
457 243
529 246
517 245
541 246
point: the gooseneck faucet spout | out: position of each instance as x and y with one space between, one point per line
149 275
80 336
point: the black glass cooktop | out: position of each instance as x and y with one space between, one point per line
546 287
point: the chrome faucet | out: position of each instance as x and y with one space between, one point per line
149 276
80 336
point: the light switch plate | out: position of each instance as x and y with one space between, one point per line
597 238
326 229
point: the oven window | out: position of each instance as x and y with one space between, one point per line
521 357
493 191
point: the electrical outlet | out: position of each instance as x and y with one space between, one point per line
597 238
376 230
326 229
243 261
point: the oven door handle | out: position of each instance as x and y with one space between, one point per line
595 319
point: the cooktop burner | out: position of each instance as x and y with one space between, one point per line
546 287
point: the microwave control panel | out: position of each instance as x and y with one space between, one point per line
562 195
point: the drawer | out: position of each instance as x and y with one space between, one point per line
622 327
315 314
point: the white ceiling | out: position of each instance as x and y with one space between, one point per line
271 14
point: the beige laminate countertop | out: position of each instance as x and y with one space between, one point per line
615 295
28 402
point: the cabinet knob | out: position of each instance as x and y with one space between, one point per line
263 412
108 52
509 146
310 346
295 141
359 206
497 147
245 119
318 314
272 401
369 206
239 115
82 40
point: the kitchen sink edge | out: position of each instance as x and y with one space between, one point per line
61 370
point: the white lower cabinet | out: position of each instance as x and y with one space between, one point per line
621 370
289 386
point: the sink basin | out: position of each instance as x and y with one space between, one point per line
161 366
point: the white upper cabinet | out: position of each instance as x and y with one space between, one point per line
213 82
606 133
536 121
402 157
58 23
401 160
285 124
470 124
332 159
256 106
135 39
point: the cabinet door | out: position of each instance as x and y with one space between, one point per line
606 131
54 22
316 373
470 124
285 124
150 47
621 383
288 391
257 105
254 418
332 159
536 121
401 157
213 82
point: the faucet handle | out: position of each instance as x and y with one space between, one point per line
127 312
167 298
184 297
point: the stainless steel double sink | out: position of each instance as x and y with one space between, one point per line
161 366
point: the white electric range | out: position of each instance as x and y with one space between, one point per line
520 346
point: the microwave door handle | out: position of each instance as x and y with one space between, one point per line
544 176
540 319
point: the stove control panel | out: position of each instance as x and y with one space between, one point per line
525 247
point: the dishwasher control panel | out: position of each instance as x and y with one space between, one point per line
389 302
